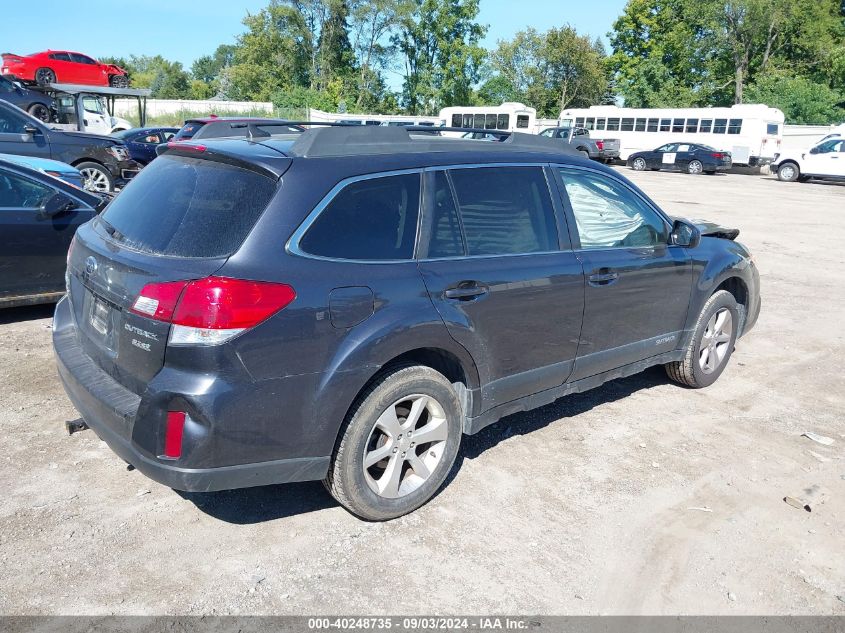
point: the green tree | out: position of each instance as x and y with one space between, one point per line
688 52
803 101
371 24
551 71
207 68
439 42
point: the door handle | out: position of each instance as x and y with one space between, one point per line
602 279
466 293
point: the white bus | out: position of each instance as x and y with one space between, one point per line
752 133
508 117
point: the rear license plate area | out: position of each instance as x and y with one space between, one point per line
100 316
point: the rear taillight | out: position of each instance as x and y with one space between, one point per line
600 145
718 155
213 310
186 147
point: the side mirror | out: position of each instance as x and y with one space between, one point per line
55 204
684 234
815 150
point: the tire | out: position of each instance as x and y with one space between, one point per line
789 172
96 177
638 164
40 112
44 76
119 81
584 153
369 430
699 369
695 167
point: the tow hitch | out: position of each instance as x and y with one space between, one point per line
73 426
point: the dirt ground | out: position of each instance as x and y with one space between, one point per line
590 505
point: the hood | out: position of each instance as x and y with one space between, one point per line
711 229
87 136
114 69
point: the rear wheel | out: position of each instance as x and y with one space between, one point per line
44 76
40 112
96 177
711 344
638 164
119 81
789 172
695 167
584 153
398 444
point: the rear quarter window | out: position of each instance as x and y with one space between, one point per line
189 207
372 219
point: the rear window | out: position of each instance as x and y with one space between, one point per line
372 219
188 130
189 207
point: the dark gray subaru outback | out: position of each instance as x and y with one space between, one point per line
347 304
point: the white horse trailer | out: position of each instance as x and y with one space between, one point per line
752 133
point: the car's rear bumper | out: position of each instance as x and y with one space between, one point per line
112 411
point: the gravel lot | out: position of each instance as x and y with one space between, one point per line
585 506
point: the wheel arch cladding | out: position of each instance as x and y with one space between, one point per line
341 388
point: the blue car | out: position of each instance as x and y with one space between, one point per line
142 141
55 168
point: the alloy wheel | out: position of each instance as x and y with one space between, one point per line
95 180
695 167
715 341
639 164
405 446
787 172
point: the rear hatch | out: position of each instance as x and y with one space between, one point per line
179 219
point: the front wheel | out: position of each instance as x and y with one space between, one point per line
638 164
119 81
398 444
711 344
96 178
788 172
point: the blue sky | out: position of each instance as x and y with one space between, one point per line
183 31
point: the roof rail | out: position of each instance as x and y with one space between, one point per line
349 140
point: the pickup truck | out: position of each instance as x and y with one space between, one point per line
604 150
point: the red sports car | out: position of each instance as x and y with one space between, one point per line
62 67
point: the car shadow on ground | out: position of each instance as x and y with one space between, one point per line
268 503
27 313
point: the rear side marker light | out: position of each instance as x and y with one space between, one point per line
213 310
173 433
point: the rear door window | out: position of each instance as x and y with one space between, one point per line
505 210
188 207
372 219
